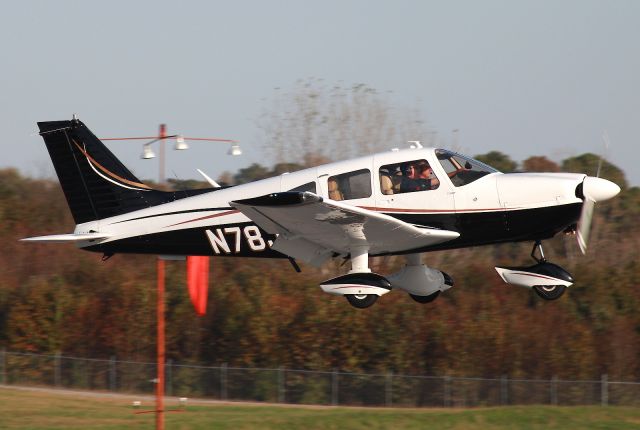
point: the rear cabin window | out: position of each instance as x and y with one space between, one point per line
407 177
309 186
348 186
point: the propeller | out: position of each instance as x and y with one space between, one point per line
584 224
594 189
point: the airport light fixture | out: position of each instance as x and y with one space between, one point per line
147 152
181 144
235 149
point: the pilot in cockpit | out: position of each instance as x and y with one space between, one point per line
427 175
417 176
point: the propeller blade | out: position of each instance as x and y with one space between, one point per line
584 224
594 189
605 139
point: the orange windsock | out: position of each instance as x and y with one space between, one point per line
198 282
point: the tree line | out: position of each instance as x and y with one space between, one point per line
261 313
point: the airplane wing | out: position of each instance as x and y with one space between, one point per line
311 228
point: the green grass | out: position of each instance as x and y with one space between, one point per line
21 409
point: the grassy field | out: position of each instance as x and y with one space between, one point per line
22 409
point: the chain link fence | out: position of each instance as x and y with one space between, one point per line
308 387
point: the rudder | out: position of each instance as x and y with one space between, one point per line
95 183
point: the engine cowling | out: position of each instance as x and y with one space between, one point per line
420 280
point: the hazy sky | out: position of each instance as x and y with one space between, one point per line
523 77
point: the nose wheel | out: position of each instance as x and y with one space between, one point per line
549 292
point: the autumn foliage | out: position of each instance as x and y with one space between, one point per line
261 313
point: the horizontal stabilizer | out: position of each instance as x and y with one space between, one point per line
67 238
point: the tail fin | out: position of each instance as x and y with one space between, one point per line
96 184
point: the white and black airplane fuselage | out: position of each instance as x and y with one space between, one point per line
495 208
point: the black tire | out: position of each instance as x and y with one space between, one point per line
550 292
426 299
361 301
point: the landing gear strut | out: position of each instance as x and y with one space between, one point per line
538 247
360 264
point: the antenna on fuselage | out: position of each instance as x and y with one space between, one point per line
213 183
415 144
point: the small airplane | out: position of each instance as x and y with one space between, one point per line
401 202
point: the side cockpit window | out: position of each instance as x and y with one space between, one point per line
348 186
462 170
407 177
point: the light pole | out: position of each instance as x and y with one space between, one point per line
147 153
160 300
160 313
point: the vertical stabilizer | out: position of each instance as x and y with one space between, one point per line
96 184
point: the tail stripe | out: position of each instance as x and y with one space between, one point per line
93 163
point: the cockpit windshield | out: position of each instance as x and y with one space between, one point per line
461 169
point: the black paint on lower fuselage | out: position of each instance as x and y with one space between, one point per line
486 228
475 228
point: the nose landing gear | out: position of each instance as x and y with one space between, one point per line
548 280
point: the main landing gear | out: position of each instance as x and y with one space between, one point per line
548 280
362 288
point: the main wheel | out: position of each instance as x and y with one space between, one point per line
425 299
549 292
361 301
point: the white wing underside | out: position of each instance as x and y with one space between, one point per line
312 228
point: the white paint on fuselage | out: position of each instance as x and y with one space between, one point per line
532 190
493 192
